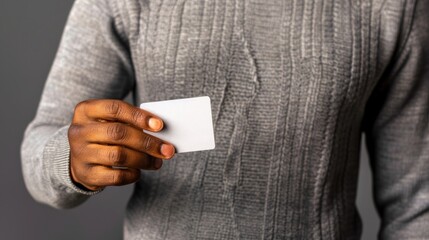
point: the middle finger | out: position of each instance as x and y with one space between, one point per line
114 133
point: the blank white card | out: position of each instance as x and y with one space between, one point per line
188 123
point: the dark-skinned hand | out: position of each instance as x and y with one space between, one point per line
108 146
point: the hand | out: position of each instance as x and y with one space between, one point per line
107 134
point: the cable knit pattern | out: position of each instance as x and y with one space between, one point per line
293 84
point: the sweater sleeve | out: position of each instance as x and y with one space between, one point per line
397 136
92 61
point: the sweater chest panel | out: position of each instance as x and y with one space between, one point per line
285 78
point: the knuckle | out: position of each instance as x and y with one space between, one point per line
80 107
116 131
76 152
117 156
146 142
125 177
74 130
138 116
113 108
118 178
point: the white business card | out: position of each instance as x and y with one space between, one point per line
188 123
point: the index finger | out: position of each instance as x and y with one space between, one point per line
120 111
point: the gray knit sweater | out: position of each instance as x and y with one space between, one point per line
293 84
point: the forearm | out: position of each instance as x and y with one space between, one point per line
91 62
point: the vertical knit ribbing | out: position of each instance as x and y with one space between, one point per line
215 83
325 226
289 83
273 183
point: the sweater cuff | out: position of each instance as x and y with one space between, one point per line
57 150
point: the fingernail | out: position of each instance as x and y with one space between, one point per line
167 150
155 123
158 163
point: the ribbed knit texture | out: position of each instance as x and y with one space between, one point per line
293 85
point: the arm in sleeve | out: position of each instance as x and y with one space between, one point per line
92 61
397 136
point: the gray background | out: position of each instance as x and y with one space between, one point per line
29 35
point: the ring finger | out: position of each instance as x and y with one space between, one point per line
119 156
